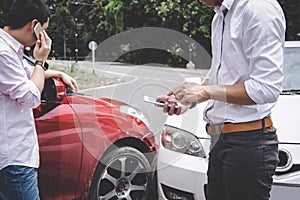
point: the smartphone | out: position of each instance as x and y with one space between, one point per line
159 102
37 30
154 101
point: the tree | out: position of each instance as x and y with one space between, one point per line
292 11
74 23
4 5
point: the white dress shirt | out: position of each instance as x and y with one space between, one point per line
18 96
248 48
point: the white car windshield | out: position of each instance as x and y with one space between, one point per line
291 68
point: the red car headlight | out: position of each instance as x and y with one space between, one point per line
128 110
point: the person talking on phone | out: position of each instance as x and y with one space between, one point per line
243 85
20 91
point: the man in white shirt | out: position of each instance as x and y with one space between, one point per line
20 90
244 83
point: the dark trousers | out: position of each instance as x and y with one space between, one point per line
241 165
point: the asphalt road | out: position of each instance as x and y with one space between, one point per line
138 81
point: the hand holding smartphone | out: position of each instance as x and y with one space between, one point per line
159 102
43 43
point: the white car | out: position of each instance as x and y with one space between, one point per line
183 154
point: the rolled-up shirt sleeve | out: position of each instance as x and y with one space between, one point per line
265 54
15 83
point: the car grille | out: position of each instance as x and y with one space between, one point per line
174 194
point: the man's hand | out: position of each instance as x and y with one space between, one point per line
65 78
42 47
171 100
190 93
69 82
185 96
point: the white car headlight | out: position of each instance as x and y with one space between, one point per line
182 141
135 113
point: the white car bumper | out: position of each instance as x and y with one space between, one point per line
181 176
287 184
282 191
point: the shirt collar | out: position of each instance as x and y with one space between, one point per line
226 5
11 41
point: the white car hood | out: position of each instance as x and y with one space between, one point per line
191 121
285 118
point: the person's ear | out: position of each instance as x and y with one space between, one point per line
32 24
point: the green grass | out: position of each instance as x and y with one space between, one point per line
86 79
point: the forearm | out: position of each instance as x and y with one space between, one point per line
53 74
38 77
66 79
235 94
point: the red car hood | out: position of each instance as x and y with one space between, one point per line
102 119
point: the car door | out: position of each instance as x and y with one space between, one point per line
59 142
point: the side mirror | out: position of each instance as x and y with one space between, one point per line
49 91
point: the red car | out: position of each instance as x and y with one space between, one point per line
92 148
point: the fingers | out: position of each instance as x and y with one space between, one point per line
71 86
188 93
170 93
163 97
166 108
183 94
182 90
172 108
46 42
179 92
184 97
70 82
43 46
75 85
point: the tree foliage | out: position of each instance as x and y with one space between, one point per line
75 23
292 11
